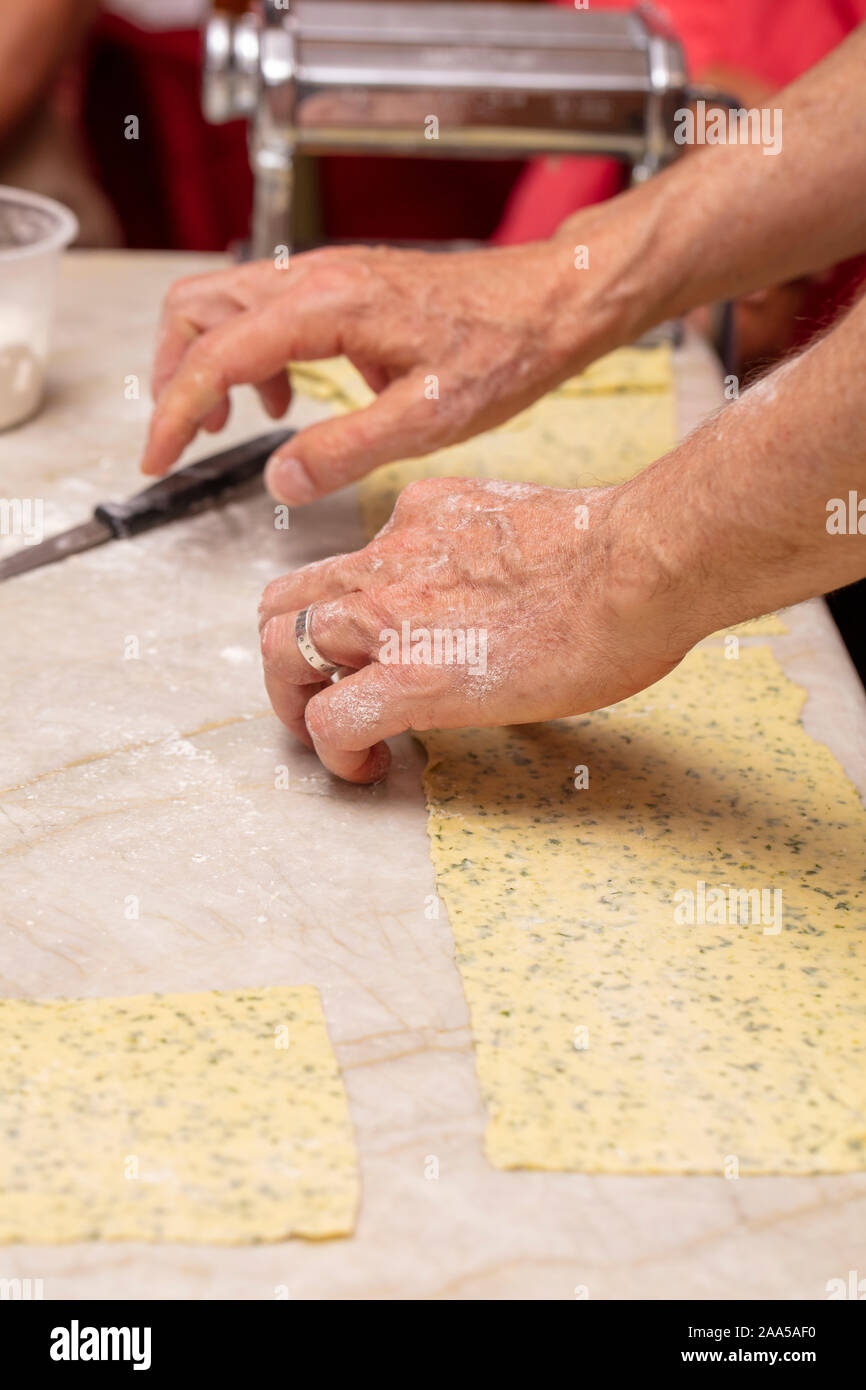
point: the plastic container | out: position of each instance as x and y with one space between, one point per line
33 233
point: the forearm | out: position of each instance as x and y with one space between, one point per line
729 219
739 519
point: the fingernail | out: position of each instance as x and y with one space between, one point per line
288 481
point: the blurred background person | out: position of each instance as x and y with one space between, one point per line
42 147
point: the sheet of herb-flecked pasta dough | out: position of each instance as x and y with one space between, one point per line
630 1013
215 1118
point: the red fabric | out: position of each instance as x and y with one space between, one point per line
182 184
187 185
405 199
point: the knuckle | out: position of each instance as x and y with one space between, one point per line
373 612
271 641
174 327
408 498
337 280
204 359
271 596
326 448
424 495
384 560
423 489
182 289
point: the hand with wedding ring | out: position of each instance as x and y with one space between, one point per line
479 603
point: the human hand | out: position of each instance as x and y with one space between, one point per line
451 343
541 597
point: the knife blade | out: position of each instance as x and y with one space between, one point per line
186 492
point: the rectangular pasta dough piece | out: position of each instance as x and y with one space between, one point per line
216 1117
610 1037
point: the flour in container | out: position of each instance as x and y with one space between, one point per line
21 370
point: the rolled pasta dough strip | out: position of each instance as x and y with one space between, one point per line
626 1018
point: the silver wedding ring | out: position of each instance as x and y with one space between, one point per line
307 647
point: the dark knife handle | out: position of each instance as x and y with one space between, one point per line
191 489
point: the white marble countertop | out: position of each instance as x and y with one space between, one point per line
153 778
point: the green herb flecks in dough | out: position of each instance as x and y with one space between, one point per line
217 1118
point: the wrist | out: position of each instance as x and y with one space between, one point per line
618 272
659 558
704 544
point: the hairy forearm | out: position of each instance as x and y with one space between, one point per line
729 219
740 518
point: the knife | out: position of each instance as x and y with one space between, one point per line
192 489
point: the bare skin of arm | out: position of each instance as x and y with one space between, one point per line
729 525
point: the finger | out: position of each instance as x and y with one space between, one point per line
253 346
180 328
400 423
199 302
202 380
290 593
289 679
350 719
345 631
276 394
290 702
216 421
324 579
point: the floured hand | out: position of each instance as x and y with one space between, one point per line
479 603
452 345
